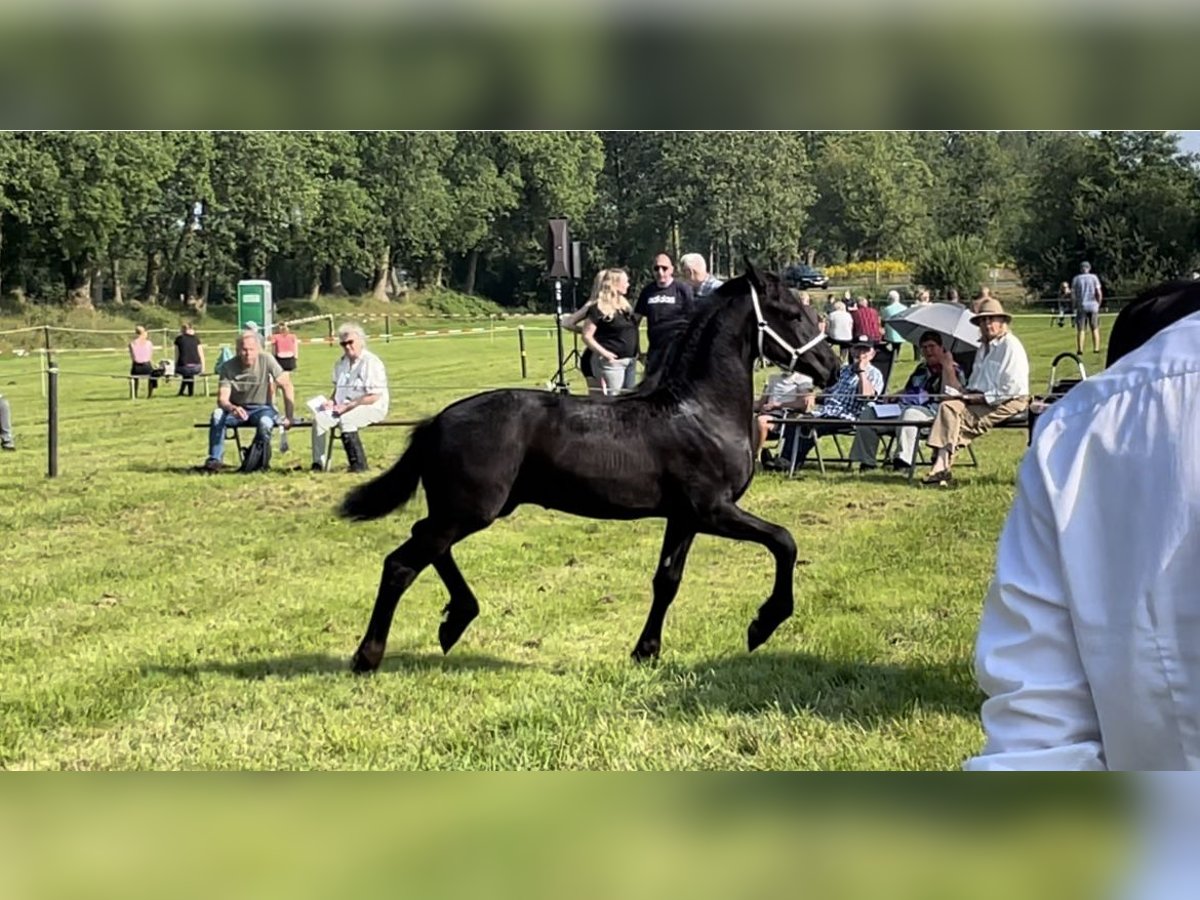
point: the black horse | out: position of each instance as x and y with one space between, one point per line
680 447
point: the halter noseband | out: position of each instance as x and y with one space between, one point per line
768 331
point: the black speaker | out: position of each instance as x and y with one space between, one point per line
577 260
559 249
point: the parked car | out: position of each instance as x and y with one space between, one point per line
802 276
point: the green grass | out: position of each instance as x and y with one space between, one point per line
158 618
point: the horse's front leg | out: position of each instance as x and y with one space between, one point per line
676 543
731 522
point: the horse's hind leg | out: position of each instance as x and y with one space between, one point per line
676 543
462 608
429 541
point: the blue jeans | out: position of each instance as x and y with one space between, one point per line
259 417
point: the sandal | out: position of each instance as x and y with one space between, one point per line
940 478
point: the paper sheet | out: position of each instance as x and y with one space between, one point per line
322 416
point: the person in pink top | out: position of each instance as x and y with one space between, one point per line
141 355
285 348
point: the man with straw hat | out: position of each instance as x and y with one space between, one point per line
997 390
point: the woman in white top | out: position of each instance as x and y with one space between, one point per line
360 398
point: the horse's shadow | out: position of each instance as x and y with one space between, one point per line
868 694
304 664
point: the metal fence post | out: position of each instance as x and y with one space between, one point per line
52 423
521 343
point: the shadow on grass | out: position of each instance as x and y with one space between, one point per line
303 664
867 694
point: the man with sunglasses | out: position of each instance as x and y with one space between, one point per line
360 398
666 305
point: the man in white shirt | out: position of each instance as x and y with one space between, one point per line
1087 295
1089 645
997 390
360 398
782 393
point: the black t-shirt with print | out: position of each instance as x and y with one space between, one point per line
666 311
617 335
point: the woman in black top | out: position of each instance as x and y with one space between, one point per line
610 330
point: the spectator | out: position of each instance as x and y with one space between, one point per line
666 305
783 393
574 322
841 325
242 399
189 359
923 298
1087 647
360 398
985 293
141 356
866 320
610 331
917 404
829 302
857 383
997 390
1088 297
952 297
894 307
286 348
695 273
6 435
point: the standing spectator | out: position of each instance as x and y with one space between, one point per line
997 390
610 331
916 405
1087 647
243 390
286 348
360 398
866 320
952 297
574 322
141 355
923 298
695 272
6 435
1088 297
894 307
666 305
841 325
857 383
189 359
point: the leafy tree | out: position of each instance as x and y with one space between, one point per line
955 262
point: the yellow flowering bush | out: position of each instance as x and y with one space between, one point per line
887 268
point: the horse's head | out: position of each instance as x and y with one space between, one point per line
789 333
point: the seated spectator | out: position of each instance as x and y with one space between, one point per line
857 383
997 390
6 435
242 398
841 325
286 348
141 356
360 398
866 320
189 359
916 405
784 392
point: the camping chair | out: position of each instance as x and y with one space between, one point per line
1056 387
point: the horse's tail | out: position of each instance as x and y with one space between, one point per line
393 488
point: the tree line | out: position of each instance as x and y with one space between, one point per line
163 215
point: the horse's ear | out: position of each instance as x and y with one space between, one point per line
752 273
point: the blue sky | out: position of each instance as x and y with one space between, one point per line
1190 142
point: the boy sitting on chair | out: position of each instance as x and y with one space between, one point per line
360 398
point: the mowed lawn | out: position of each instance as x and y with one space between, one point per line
156 618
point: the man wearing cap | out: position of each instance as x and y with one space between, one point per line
1086 296
997 390
857 383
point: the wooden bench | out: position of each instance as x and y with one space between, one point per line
232 431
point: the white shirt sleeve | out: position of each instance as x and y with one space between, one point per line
1039 713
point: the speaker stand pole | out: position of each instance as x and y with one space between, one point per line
561 378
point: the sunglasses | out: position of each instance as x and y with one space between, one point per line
347 343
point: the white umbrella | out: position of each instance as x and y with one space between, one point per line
951 321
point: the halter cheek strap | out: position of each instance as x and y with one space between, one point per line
765 330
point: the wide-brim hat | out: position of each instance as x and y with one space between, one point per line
990 307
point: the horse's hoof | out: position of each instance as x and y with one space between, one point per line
366 658
756 635
451 629
646 651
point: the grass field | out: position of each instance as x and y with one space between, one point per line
154 617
